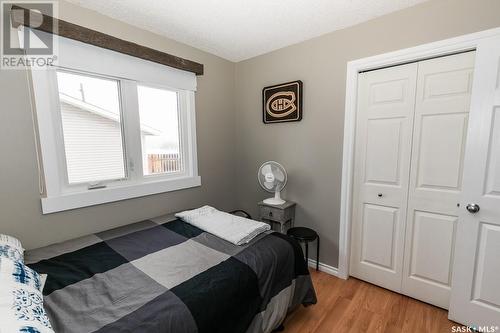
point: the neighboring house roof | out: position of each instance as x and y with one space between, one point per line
147 130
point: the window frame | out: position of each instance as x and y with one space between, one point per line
61 146
59 194
183 139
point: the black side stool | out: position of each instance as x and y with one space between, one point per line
306 235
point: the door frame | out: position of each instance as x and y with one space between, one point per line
445 47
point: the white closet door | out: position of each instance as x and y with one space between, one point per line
383 142
475 296
439 138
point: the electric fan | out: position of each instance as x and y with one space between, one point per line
272 178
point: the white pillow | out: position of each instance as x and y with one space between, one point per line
21 300
10 247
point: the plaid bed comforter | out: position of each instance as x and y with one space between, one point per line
164 275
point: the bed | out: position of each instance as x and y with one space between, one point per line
164 275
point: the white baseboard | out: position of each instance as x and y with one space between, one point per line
324 268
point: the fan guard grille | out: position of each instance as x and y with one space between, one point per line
272 176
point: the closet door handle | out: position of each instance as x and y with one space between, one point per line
380 195
473 208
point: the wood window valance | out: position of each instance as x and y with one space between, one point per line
96 38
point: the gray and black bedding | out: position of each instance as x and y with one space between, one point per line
164 275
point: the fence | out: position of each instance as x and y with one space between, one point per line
163 163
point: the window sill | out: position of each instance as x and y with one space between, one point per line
100 196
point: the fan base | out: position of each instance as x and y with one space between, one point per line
274 201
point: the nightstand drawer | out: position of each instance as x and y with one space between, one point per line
270 213
284 215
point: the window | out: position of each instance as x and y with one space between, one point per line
158 111
91 123
113 127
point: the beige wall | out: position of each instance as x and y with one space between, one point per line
311 150
232 141
20 212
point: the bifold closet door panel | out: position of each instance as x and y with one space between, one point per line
440 132
475 296
384 124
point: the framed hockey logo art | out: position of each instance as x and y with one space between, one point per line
282 102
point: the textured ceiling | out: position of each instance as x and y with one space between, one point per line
241 29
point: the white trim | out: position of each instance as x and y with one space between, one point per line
115 64
426 51
192 154
47 130
99 196
324 267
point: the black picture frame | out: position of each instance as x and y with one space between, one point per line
282 102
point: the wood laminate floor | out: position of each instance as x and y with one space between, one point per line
356 306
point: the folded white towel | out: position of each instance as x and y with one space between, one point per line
235 229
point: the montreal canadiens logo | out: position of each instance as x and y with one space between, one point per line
281 104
